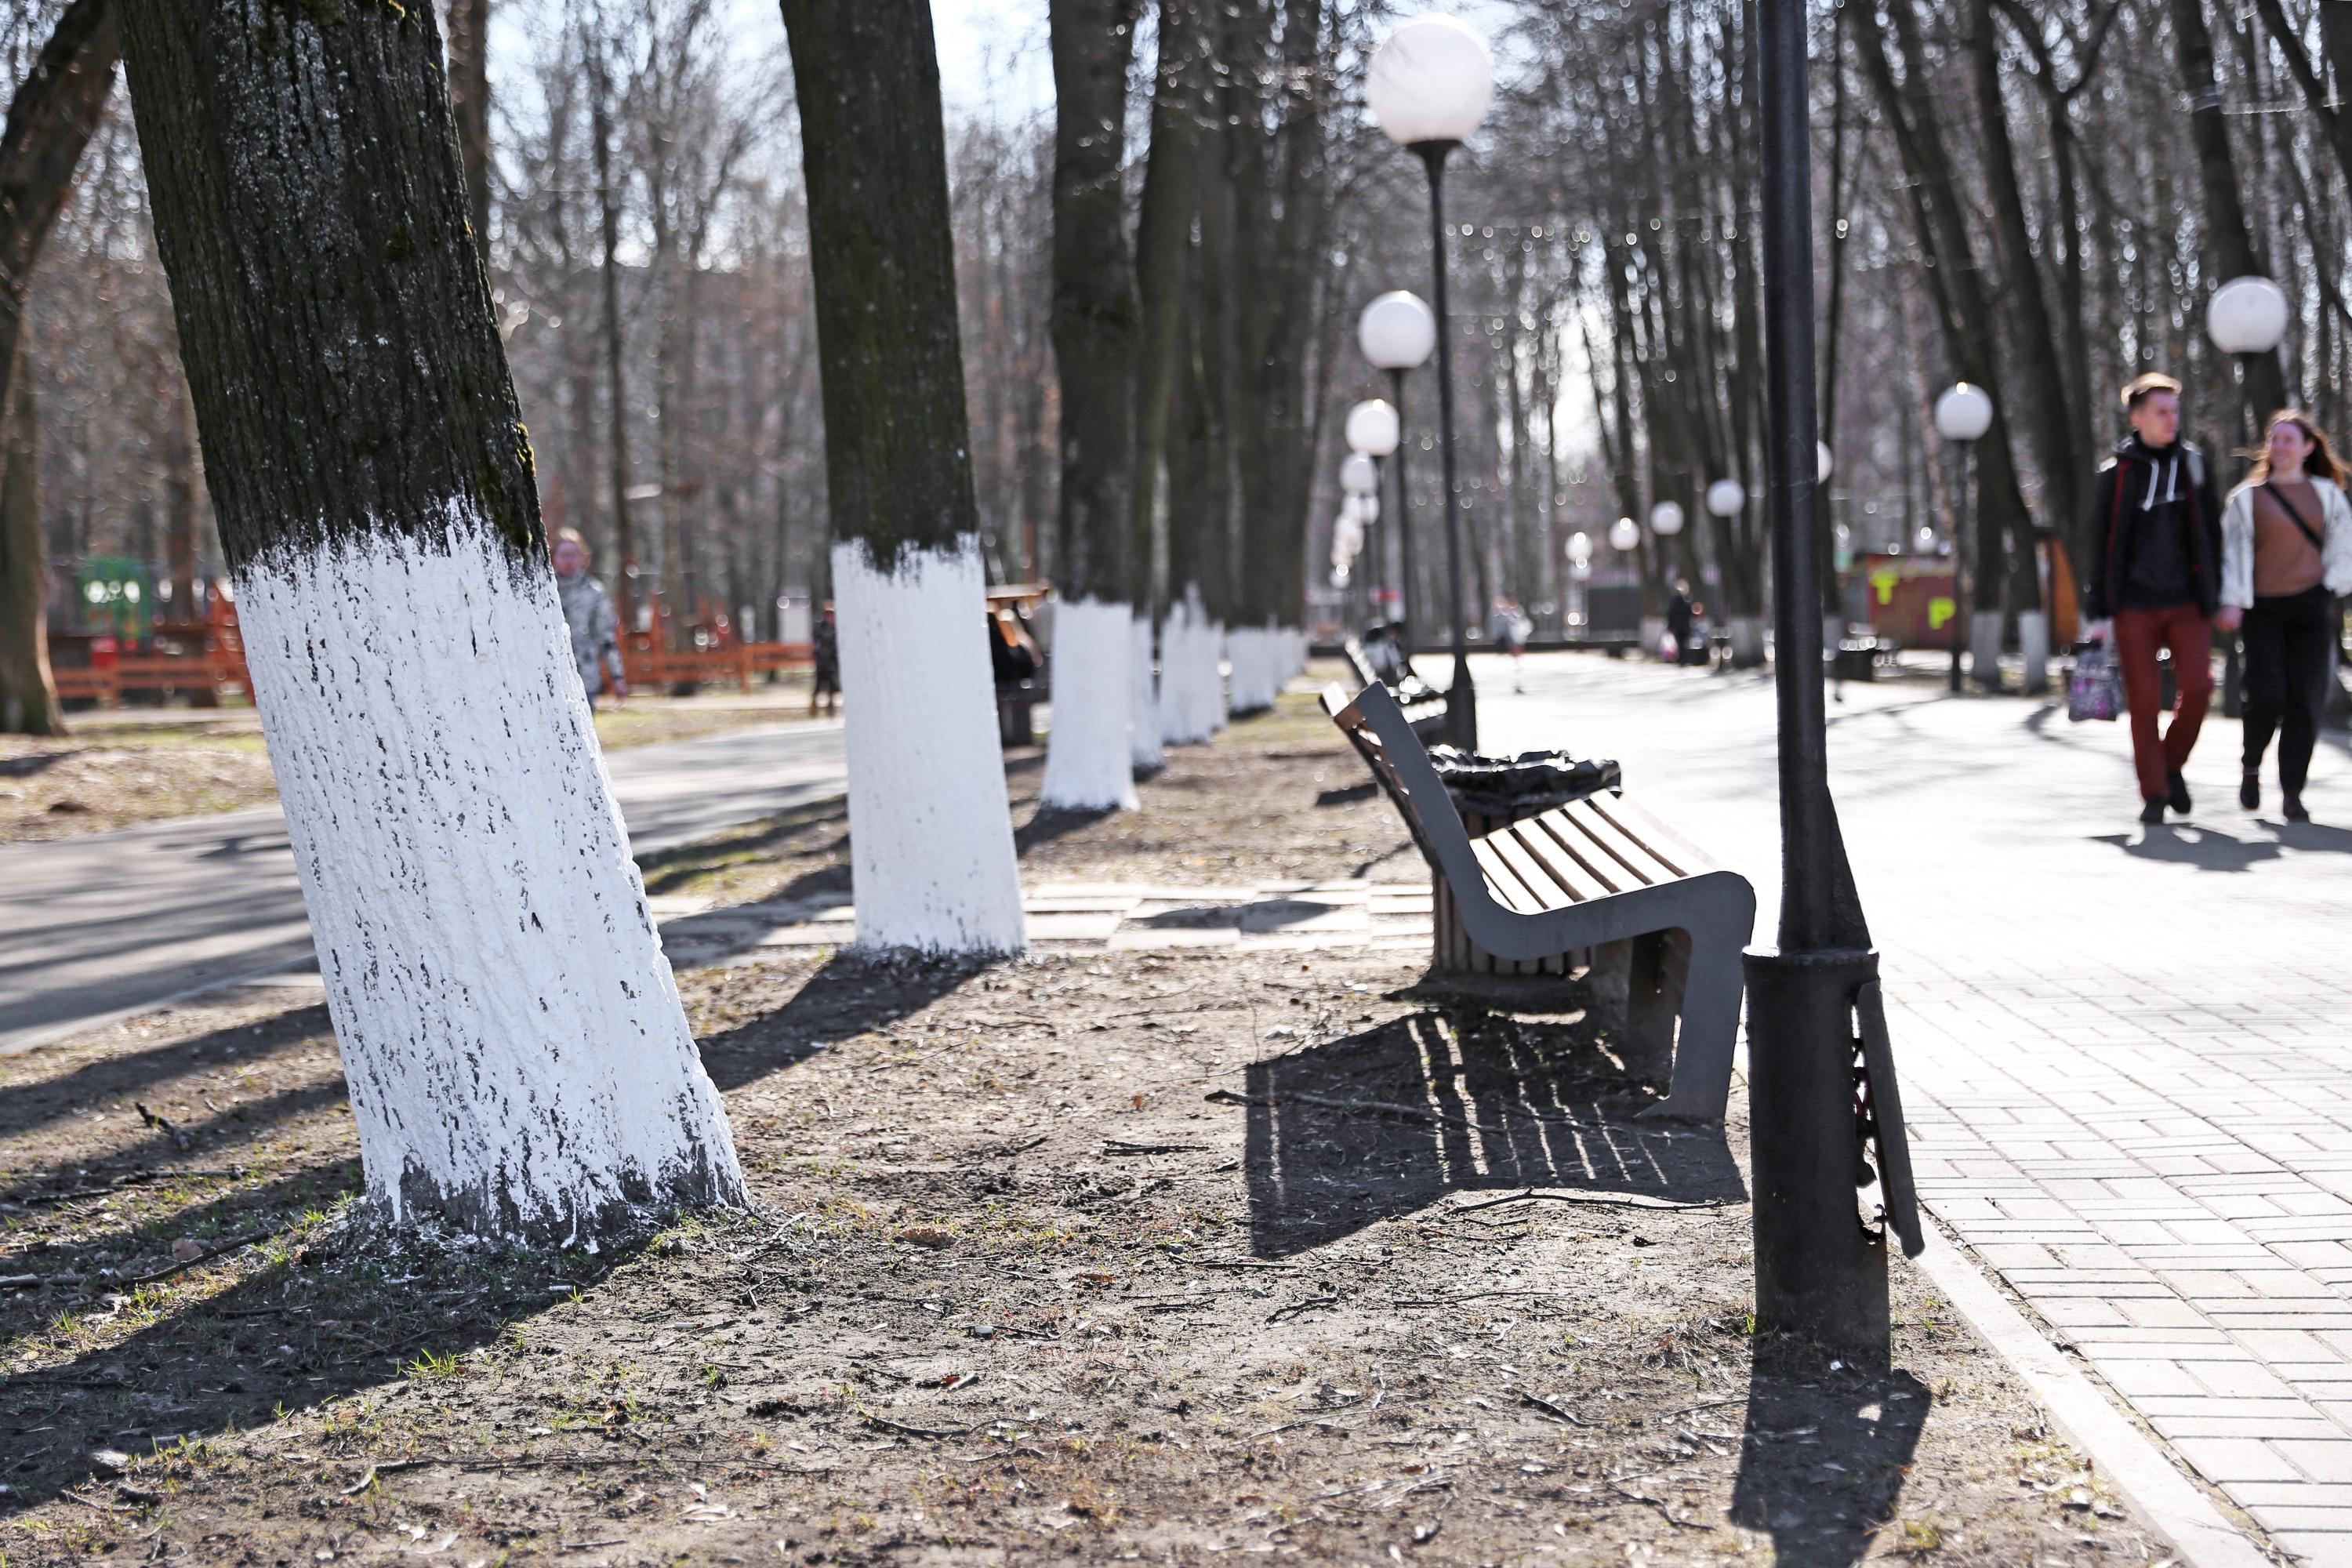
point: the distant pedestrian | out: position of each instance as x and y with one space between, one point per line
825 653
588 615
2156 526
2286 549
1681 618
1384 653
1507 629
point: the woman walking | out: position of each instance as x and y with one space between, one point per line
2286 549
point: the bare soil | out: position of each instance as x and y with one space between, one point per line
1089 1257
118 771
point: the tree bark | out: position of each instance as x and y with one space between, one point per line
28 698
930 835
520 1065
469 106
1089 761
1955 284
2032 334
2228 238
50 121
608 219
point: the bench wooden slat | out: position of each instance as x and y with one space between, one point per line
1592 837
1506 882
1542 890
1540 843
1673 850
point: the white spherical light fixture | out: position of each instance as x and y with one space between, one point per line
1396 331
1624 533
1579 547
1964 413
1430 81
1358 475
1824 464
1372 428
1666 518
1366 508
2247 316
1726 497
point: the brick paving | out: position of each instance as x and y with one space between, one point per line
2126 1053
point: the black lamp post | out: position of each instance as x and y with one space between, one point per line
1398 333
1963 414
2246 319
1822 1106
1430 82
1374 429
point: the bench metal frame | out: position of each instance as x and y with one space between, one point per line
1583 876
1427 716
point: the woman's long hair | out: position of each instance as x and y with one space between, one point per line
2320 464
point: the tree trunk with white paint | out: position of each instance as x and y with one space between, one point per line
1143 706
520 1066
1090 754
931 832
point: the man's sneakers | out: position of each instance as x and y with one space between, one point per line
2292 809
2250 789
2152 811
2176 791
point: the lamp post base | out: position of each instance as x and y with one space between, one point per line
1462 707
1821 1271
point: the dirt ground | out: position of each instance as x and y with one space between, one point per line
1091 1257
118 769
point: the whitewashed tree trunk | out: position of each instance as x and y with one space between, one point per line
1192 681
931 843
931 837
1747 641
1144 725
1090 752
1984 646
518 1058
2033 642
1256 657
519 1064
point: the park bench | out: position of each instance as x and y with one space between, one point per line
1598 877
1423 704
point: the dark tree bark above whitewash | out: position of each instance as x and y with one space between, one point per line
303 166
897 433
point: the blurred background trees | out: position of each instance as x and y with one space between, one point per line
2040 196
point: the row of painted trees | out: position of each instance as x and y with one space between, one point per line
518 1060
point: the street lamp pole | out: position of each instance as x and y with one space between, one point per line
2246 319
1429 86
1396 332
1461 696
1963 415
1403 533
1822 1097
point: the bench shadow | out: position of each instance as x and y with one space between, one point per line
1822 1459
1348 795
2207 848
1393 1118
25 767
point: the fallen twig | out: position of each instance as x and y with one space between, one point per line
1549 1409
233 1244
890 1425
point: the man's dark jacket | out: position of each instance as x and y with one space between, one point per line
2131 490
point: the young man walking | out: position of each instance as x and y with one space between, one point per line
2155 522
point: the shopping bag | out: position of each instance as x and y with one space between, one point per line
2095 688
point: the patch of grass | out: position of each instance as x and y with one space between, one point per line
432 1364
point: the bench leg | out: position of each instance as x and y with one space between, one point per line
1710 1022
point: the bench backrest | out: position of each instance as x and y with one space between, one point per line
1376 727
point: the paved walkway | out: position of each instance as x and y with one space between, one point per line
94 926
2126 1053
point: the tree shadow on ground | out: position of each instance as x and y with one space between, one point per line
305 1329
854 993
1049 823
107 1080
1390 1119
25 767
1822 1459
2207 848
